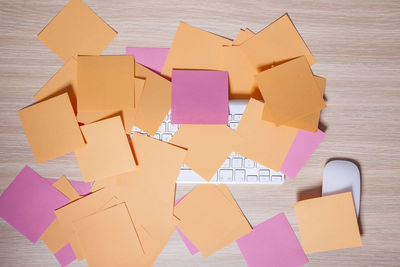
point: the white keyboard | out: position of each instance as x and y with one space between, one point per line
236 169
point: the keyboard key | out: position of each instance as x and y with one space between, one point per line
225 175
248 163
276 178
264 179
230 117
167 125
252 178
236 154
172 128
233 125
237 163
162 128
190 176
166 137
237 117
226 164
264 172
240 175
157 136
272 172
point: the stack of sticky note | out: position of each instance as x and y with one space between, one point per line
28 205
125 212
272 65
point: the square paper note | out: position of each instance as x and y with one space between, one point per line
51 128
194 48
277 42
108 238
259 136
107 152
65 255
76 30
29 202
199 97
208 147
151 57
328 223
272 243
290 91
225 191
105 83
81 208
154 102
209 219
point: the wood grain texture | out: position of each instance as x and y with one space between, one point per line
356 45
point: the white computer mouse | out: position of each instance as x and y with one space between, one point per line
342 176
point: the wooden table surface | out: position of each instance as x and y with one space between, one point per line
357 47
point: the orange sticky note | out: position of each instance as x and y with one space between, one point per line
309 122
105 83
127 119
87 117
63 81
54 237
223 188
107 152
65 187
194 48
78 209
139 86
225 191
290 91
209 219
151 152
126 114
158 182
76 30
242 83
208 146
149 192
51 128
328 223
243 36
277 42
263 141
242 227
109 238
154 102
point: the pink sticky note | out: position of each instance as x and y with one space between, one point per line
272 243
29 202
65 255
303 146
83 188
199 97
153 58
190 246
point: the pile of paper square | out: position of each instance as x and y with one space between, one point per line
125 211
